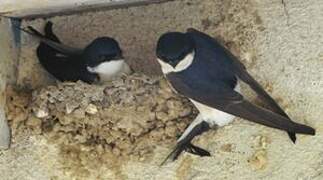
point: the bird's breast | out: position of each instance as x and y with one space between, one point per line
111 70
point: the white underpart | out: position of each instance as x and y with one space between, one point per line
210 115
182 65
110 70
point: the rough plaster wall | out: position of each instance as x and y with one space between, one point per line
284 53
7 75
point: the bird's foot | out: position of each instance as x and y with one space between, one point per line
184 143
188 147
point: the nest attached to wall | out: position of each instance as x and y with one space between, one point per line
128 117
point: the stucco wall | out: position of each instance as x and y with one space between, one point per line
281 45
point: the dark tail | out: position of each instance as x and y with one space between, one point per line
265 117
49 32
51 40
266 98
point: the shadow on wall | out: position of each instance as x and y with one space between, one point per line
8 64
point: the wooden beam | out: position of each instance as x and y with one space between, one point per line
29 9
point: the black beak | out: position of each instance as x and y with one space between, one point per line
119 57
96 79
172 63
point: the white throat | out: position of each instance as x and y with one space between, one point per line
110 70
182 65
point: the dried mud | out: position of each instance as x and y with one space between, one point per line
95 124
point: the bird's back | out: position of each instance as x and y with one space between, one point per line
62 66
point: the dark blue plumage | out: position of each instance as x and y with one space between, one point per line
72 64
208 76
63 66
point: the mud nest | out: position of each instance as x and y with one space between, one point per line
127 117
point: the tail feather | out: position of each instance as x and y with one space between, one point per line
265 117
49 32
53 42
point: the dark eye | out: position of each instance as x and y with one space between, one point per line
107 57
112 56
102 57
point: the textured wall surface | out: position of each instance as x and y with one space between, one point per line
7 75
279 41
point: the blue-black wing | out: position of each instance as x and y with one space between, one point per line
233 103
239 69
220 96
64 63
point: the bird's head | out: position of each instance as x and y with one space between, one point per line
103 57
175 51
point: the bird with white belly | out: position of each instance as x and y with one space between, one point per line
201 69
100 61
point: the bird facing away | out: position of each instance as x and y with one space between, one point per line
201 69
99 61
